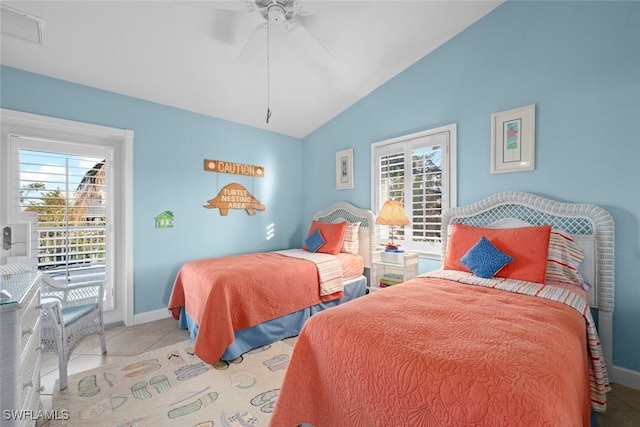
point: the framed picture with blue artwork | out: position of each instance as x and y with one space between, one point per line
344 169
513 142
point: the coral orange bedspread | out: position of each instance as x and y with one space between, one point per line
228 294
434 352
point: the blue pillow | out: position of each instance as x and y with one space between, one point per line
315 241
484 259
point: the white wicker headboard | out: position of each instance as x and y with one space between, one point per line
350 213
590 226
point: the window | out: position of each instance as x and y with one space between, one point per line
419 170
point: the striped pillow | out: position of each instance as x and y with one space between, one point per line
564 258
351 240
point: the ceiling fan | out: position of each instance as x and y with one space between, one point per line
287 13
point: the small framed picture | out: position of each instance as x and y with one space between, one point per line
513 142
344 169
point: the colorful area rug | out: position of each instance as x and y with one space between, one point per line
173 387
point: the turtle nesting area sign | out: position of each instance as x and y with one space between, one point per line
234 195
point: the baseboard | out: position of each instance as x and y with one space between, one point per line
151 316
624 376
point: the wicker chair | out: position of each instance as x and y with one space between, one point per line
72 313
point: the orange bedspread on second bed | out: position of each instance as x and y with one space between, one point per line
433 352
227 294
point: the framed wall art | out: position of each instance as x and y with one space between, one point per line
513 140
344 169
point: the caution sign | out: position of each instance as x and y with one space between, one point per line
234 168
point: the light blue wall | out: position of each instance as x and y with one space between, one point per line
169 151
579 62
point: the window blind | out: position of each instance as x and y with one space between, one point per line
69 195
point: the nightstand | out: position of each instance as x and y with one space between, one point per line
391 268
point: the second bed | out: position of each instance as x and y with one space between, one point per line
234 304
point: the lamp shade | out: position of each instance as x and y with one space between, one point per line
392 213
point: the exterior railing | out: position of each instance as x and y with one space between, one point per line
73 254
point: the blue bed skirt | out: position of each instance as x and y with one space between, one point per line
279 328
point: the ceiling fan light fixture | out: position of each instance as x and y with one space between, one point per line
276 13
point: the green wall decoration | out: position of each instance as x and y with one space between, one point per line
165 220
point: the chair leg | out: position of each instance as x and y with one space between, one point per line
62 371
63 359
103 342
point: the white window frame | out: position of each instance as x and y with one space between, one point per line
446 136
121 140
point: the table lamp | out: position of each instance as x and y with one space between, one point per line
392 214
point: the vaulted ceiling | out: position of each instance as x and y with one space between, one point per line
209 57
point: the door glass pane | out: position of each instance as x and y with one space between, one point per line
392 175
427 193
69 195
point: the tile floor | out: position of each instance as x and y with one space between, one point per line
121 343
623 402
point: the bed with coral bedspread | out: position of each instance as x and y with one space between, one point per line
225 301
454 347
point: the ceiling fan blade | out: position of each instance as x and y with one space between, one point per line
309 21
255 44
308 41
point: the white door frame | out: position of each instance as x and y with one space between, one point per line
33 125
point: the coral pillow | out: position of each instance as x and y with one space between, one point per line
528 246
333 234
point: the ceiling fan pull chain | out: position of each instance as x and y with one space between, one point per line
268 67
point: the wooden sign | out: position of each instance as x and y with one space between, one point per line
235 196
234 168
